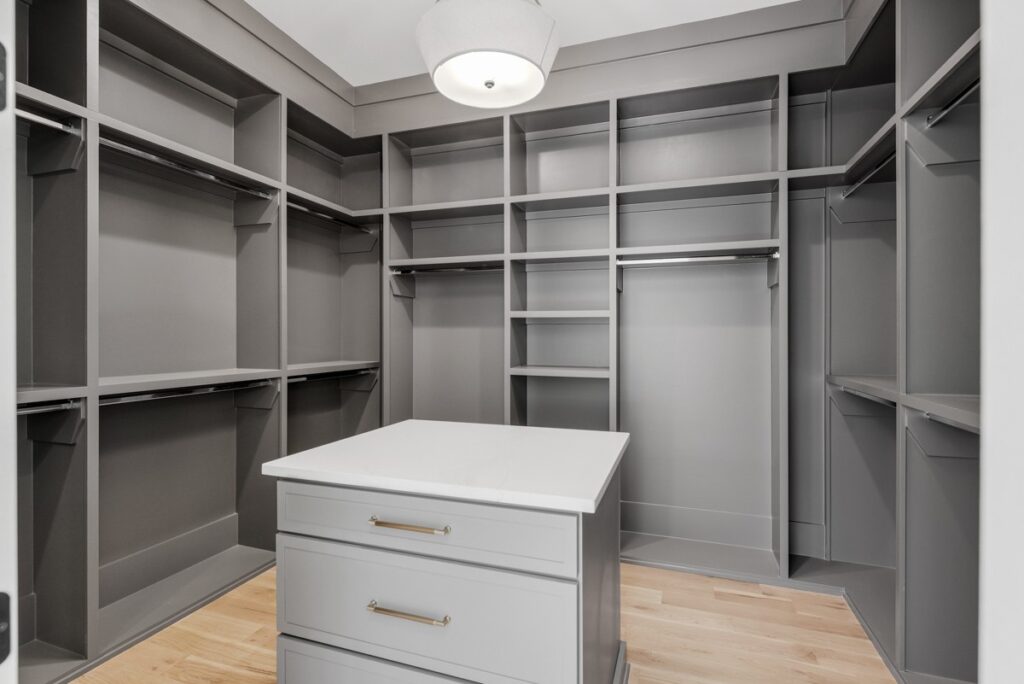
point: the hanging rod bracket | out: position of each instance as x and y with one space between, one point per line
330 219
948 108
868 176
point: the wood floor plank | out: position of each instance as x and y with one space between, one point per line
680 628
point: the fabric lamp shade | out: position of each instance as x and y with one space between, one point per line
488 53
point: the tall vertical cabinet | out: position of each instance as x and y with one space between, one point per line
198 293
772 283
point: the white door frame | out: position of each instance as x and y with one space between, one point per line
8 377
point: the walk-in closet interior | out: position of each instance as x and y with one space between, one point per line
767 273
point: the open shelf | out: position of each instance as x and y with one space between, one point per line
560 371
870 591
954 77
333 289
448 233
574 403
161 81
51 48
931 32
574 284
959 410
299 369
51 238
669 136
28 394
187 273
331 211
490 261
559 224
875 386
447 163
562 256
698 556
142 613
52 554
326 163
157 382
736 247
559 149
587 313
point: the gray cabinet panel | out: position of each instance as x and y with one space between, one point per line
531 541
504 628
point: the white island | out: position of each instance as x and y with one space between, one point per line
444 552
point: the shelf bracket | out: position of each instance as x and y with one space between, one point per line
263 397
363 242
868 176
948 108
59 423
940 439
403 286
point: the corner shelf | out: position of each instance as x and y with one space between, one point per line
448 207
127 384
960 410
874 386
949 80
560 372
336 211
318 368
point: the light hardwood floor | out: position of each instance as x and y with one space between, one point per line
680 628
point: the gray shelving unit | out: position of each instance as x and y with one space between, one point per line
193 248
771 283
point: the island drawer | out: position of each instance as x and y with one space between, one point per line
484 625
533 541
303 662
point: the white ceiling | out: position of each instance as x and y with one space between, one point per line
368 41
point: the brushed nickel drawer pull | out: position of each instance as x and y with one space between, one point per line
374 608
443 532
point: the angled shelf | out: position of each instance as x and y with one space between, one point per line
958 410
336 212
560 372
874 387
569 313
875 155
954 77
300 369
158 382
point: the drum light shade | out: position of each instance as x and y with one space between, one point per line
488 53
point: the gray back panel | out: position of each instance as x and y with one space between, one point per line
857 114
566 343
862 499
807 361
324 411
942 550
710 145
569 162
692 341
537 231
807 142
582 285
572 403
448 175
167 276
862 270
930 31
315 292
458 343
719 219
166 468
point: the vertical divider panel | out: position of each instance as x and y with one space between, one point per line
900 654
781 376
613 269
92 55
513 160
281 140
92 415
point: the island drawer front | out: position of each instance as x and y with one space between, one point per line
303 662
532 541
504 626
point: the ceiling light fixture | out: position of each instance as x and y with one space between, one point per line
488 53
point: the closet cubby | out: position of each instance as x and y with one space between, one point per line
51 241
446 345
942 518
556 402
943 261
159 81
330 165
333 292
560 225
692 338
557 150
51 47
53 591
447 163
326 407
560 347
733 216
931 32
862 243
466 234
188 278
717 130
559 288
184 511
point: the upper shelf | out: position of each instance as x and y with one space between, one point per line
128 384
959 410
954 77
870 386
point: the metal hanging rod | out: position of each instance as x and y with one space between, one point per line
948 108
49 408
717 259
197 173
443 270
328 217
337 375
43 121
868 176
190 392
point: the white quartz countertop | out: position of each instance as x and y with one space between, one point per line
564 470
